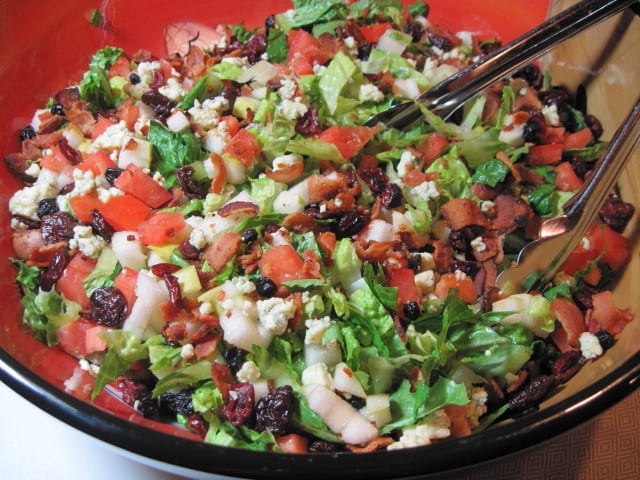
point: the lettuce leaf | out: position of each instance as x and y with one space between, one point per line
94 86
174 150
333 80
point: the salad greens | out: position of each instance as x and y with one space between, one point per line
229 246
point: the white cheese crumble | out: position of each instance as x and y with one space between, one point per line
407 163
478 245
287 89
243 285
589 345
550 113
317 374
187 351
432 427
85 241
249 372
425 281
207 113
205 308
284 161
427 190
316 327
33 170
370 93
477 407
426 261
487 207
112 138
292 110
275 313
25 201
173 89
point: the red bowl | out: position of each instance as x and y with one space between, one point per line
47 47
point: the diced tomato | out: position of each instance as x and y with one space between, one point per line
602 243
593 277
70 282
373 32
415 177
80 338
101 125
459 423
566 178
570 317
433 147
244 146
55 160
124 212
281 264
135 181
83 204
606 314
161 228
129 113
553 135
466 289
97 162
579 139
292 443
404 280
348 139
120 68
126 283
548 154
303 48
233 125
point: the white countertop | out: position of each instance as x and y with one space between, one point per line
35 445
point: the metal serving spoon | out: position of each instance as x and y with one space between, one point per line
446 97
538 262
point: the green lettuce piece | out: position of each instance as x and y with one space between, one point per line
590 153
381 60
189 375
490 173
28 280
480 147
123 350
418 8
94 86
453 180
223 433
309 421
58 310
264 191
226 71
410 405
277 46
307 13
207 397
346 265
174 150
198 92
506 105
387 296
104 273
241 32
333 80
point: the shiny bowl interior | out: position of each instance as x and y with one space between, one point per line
48 46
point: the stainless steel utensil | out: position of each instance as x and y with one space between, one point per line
446 97
538 262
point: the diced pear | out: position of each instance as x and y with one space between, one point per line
129 249
189 281
243 104
136 151
377 409
345 381
328 353
333 410
358 430
235 170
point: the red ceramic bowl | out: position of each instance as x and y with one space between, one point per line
46 46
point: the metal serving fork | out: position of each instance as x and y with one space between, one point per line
446 97
538 261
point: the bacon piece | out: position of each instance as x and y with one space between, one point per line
27 241
287 174
322 188
483 192
50 123
194 64
300 223
67 96
224 248
17 165
41 256
527 175
463 212
208 347
373 251
510 213
249 261
236 208
372 445
442 255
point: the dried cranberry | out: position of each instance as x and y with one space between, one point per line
531 394
255 47
26 133
415 29
375 178
265 287
134 78
411 310
249 235
163 269
54 271
566 365
189 251
616 213
579 164
439 41
269 23
238 409
47 206
391 196
364 51
490 46
70 153
468 268
458 240
356 402
414 262
532 74
605 339
309 123
160 104
321 446
230 91
176 403
57 227
57 109
196 423
558 96
235 357
534 127
349 224
175 295
100 226
188 184
108 306
111 174
583 298
137 395
594 125
274 411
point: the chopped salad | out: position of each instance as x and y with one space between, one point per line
219 239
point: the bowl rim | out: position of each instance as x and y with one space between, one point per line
168 451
